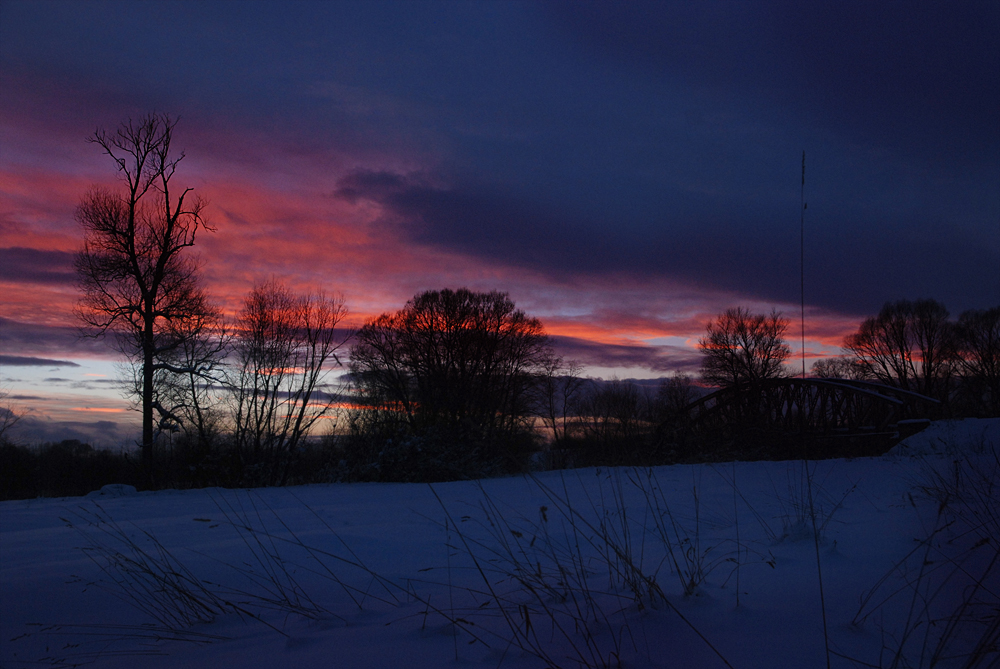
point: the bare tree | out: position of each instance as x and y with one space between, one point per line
450 355
9 415
742 349
451 362
979 354
674 396
559 385
616 413
841 367
910 345
285 346
137 281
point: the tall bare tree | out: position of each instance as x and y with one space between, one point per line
742 348
285 345
138 282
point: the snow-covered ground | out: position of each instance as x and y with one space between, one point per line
573 568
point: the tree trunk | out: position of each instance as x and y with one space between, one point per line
147 396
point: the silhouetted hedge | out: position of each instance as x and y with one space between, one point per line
438 453
72 468
63 469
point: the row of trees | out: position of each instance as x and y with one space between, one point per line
911 345
450 366
247 394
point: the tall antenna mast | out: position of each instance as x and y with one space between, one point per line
802 260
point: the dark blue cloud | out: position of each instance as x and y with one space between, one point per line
40 338
31 430
656 139
656 358
23 265
857 257
28 361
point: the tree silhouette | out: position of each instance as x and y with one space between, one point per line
188 386
674 396
137 281
9 415
910 345
979 354
452 362
841 367
284 347
615 414
558 389
742 349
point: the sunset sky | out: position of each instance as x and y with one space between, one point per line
624 170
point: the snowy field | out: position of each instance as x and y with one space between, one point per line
683 566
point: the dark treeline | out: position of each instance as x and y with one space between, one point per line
459 384
911 345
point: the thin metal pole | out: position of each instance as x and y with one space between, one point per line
805 462
802 260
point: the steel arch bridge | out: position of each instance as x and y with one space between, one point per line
814 407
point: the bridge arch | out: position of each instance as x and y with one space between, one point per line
819 409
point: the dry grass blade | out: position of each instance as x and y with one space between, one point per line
952 612
567 586
150 579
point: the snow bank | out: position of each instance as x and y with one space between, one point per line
951 437
394 575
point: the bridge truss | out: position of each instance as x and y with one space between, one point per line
818 409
